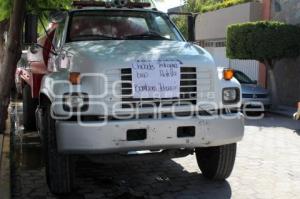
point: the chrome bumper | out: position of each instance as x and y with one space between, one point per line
91 138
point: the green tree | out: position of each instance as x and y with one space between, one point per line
193 6
12 14
266 42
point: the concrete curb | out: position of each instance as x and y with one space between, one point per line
1 144
286 111
5 175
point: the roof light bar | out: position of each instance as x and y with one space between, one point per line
80 4
116 3
138 5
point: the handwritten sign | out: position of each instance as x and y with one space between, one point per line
156 79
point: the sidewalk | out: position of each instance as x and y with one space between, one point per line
1 144
5 188
284 110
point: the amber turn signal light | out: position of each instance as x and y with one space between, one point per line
74 78
228 73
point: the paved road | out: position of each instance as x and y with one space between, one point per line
267 166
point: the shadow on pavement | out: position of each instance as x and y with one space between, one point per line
124 180
146 179
297 131
271 120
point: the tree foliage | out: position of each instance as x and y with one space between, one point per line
33 6
222 4
37 7
263 41
194 6
5 7
266 42
10 51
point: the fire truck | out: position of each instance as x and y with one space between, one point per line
117 80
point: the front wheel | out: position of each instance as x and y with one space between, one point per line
29 107
216 163
59 167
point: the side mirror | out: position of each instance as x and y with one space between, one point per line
191 20
31 29
255 82
191 28
34 48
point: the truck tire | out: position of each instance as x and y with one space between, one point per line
216 163
13 93
59 167
29 107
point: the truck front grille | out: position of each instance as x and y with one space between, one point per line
188 91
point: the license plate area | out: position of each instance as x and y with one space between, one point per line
136 134
186 131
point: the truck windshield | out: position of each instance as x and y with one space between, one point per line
120 25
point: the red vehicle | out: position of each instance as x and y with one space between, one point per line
30 71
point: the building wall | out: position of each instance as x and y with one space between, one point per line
211 32
286 10
287 71
176 9
287 74
266 15
213 25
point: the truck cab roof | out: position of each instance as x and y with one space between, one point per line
115 5
115 9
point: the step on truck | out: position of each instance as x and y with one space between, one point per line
117 80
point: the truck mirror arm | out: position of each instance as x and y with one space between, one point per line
47 34
33 49
191 21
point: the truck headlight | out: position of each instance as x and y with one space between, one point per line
231 95
75 102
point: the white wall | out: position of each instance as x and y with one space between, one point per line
213 25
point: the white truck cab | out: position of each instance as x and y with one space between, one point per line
123 79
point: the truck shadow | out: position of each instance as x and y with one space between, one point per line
297 131
125 180
176 178
147 179
275 121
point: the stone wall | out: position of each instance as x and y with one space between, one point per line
286 10
287 71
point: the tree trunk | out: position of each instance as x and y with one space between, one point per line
3 30
11 56
273 84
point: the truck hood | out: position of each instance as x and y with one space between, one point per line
89 56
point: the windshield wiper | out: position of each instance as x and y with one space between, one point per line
95 37
149 35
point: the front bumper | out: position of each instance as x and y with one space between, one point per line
91 138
